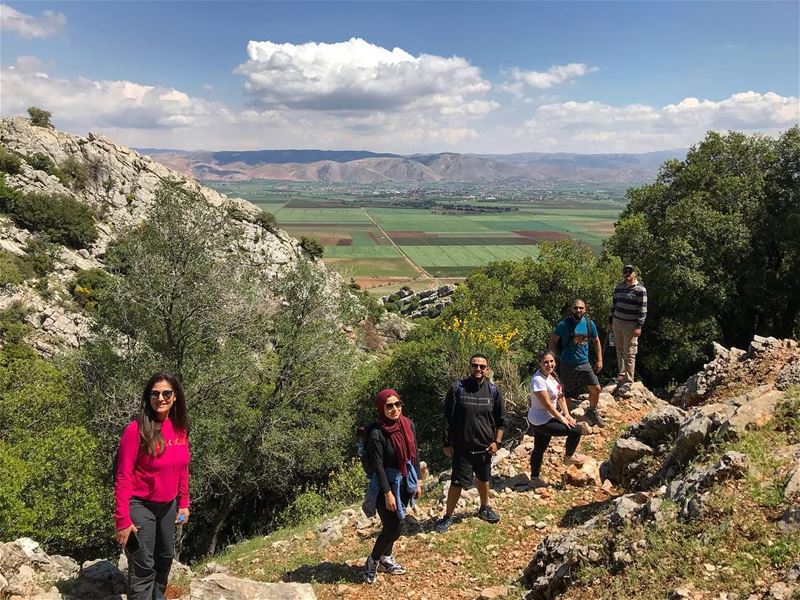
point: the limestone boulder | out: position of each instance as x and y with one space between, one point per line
220 586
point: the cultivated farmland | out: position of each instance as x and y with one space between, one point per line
382 237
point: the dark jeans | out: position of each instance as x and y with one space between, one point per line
541 439
148 568
392 527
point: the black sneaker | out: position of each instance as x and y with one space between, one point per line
595 417
443 524
487 514
370 570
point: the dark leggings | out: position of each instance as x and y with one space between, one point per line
148 568
541 439
392 527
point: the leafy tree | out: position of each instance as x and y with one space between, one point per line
63 218
266 384
40 117
266 220
9 162
715 238
51 476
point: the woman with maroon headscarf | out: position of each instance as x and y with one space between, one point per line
392 454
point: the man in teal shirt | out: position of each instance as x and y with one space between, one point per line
575 333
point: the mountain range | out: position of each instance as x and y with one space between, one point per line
358 166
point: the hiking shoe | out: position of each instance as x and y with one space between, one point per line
575 459
487 514
595 417
387 564
370 570
443 524
537 483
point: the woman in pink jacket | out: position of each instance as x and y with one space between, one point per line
152 485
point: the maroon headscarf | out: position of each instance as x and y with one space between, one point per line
397 431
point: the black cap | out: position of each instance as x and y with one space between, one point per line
629 268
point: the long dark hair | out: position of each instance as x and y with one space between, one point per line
150 438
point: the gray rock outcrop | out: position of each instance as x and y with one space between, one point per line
121 190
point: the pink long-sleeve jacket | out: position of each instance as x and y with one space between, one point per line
158 479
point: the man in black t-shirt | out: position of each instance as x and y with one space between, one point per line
475 418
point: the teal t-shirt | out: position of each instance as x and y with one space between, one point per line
575 349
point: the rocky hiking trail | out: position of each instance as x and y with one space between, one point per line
697 498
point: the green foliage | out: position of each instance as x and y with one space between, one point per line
63 218
13 328
10 162
14 269
8 196
51 485
42 254
710 236
306 506
90 287
74 174
39 117
787 414
268 391
266 220
372 305
42 162
346 485
312 247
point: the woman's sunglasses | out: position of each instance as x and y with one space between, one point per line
155 394
393 405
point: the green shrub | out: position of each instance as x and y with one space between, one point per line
9 162
73 173
312 247
347 485
40 117
13 269
61 217
308 505
266 220
90 287
13 327
8 196
42 254
51 483
42 162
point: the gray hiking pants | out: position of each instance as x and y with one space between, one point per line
148 568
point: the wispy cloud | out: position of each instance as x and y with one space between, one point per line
555 75
47 24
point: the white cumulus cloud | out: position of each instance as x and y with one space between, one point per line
356 75
47 24
598 127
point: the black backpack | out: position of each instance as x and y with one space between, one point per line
362 436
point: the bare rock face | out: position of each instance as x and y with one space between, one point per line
224 587
121 191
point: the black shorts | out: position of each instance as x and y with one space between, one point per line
465 463
574 379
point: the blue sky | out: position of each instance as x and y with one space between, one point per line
467 76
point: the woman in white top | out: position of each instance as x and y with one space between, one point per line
547 421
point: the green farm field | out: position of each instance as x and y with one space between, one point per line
376 243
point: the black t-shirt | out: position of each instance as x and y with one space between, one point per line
381 454
473 413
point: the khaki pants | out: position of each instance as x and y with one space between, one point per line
627 345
